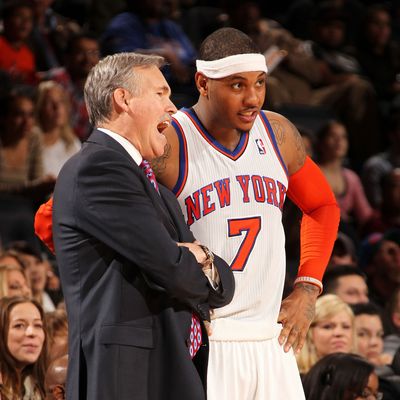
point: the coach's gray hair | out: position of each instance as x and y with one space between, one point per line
110 73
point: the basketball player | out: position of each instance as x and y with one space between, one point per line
230 165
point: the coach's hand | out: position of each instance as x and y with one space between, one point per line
297 312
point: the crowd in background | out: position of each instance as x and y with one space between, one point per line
334 71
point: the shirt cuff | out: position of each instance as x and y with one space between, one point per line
212 275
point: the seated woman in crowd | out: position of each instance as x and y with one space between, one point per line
13 281
57 329
331 331
22 368
369 344
369 333
53 119
341 376
21 168
331 150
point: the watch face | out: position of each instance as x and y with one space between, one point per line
209 255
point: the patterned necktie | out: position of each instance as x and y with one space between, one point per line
148 171
195 326
195 335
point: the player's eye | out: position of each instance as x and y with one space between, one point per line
260 82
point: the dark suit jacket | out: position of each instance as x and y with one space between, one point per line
129 289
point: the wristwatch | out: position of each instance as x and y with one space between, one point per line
209 255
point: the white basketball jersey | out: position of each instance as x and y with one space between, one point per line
232 202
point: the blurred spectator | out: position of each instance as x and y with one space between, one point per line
388 215
36 271
21 168
341 67
369 344
145 27
391 319
22 367
298 78
380 164
379 56
330 42
348 282
59 140
331 150
16 57
199 19
13 281
301 14
293 72
101 13
331 331
50 35
369 333
57 328
340 376
380 259
81 55
55 380
11 258
343 252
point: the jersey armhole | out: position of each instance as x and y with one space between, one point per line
272 138
183 164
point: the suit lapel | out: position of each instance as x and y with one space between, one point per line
159 204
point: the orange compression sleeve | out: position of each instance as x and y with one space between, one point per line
310 191
44 224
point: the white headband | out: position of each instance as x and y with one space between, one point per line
231 65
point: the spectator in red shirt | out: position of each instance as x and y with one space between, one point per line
16 58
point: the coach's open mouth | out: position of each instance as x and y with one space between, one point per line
163 125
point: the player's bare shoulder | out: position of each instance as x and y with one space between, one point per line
166 167
289 141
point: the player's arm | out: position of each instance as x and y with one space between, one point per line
310 191
166 167
44 223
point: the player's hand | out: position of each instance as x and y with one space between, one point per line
296 314
207 325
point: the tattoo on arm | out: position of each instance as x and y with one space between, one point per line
159 164
279 131
307 287
309 310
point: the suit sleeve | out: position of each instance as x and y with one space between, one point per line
112 205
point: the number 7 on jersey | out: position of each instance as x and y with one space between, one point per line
251 227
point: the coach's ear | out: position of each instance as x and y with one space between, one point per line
121 98
201 83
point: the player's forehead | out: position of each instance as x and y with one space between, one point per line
245 76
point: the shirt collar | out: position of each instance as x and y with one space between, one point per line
126 144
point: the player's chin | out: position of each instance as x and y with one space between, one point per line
244 126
